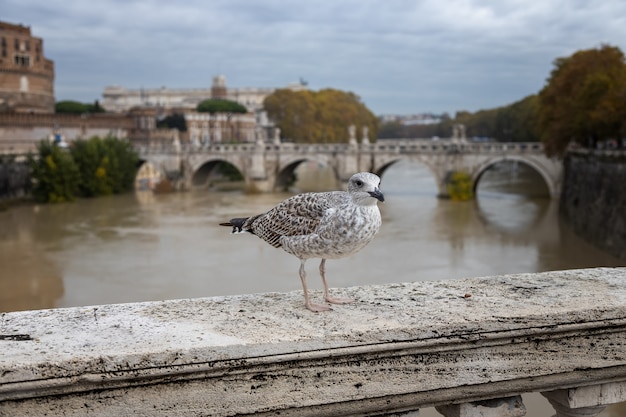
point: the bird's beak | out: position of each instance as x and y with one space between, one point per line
377 195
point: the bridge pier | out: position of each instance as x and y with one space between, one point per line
259 185
348 164
256 175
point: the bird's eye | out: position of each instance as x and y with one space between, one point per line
359 183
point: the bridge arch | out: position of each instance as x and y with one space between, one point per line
286 175
287 168
382 164
233 159
545 175
200 174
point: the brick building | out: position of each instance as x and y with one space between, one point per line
26 76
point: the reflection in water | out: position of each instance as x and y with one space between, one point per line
140 247
30 278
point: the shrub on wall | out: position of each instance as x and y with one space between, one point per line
107 166
460 186
54 173
93 165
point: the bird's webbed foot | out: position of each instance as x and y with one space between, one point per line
338 300
317 308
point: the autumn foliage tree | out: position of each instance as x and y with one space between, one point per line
319 116
584 100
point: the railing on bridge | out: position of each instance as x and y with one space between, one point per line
395 145
398 146
468 347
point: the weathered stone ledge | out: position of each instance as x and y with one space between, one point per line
401 347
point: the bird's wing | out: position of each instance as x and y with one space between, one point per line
295 216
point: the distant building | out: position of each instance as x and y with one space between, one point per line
26 76
120 99
413 119
203 128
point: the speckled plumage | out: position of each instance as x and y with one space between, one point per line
327 225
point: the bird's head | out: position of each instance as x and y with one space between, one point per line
364 188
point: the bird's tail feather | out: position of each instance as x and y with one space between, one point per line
237 224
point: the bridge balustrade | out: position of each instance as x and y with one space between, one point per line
468 347
383 145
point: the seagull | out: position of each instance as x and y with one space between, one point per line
327 225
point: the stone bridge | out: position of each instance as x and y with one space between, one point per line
268 167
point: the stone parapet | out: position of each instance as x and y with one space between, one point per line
462 346
55 120
20 132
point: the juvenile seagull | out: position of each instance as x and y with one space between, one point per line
327 225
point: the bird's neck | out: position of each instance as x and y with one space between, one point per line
365 202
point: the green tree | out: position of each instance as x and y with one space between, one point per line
93 166
106 166
392 130
322 116
71 107
583 100
123 163
75 107
220 106
95 107
519 122
55 175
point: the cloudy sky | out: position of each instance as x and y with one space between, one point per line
399 56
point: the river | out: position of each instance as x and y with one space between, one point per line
143 246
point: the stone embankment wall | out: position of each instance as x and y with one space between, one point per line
593 201
20 133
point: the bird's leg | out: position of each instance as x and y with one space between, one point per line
327 297
316 308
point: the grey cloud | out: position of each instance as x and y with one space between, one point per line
399 56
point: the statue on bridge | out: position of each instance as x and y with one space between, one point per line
259 134
277 136
352 135
366 136
458 133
